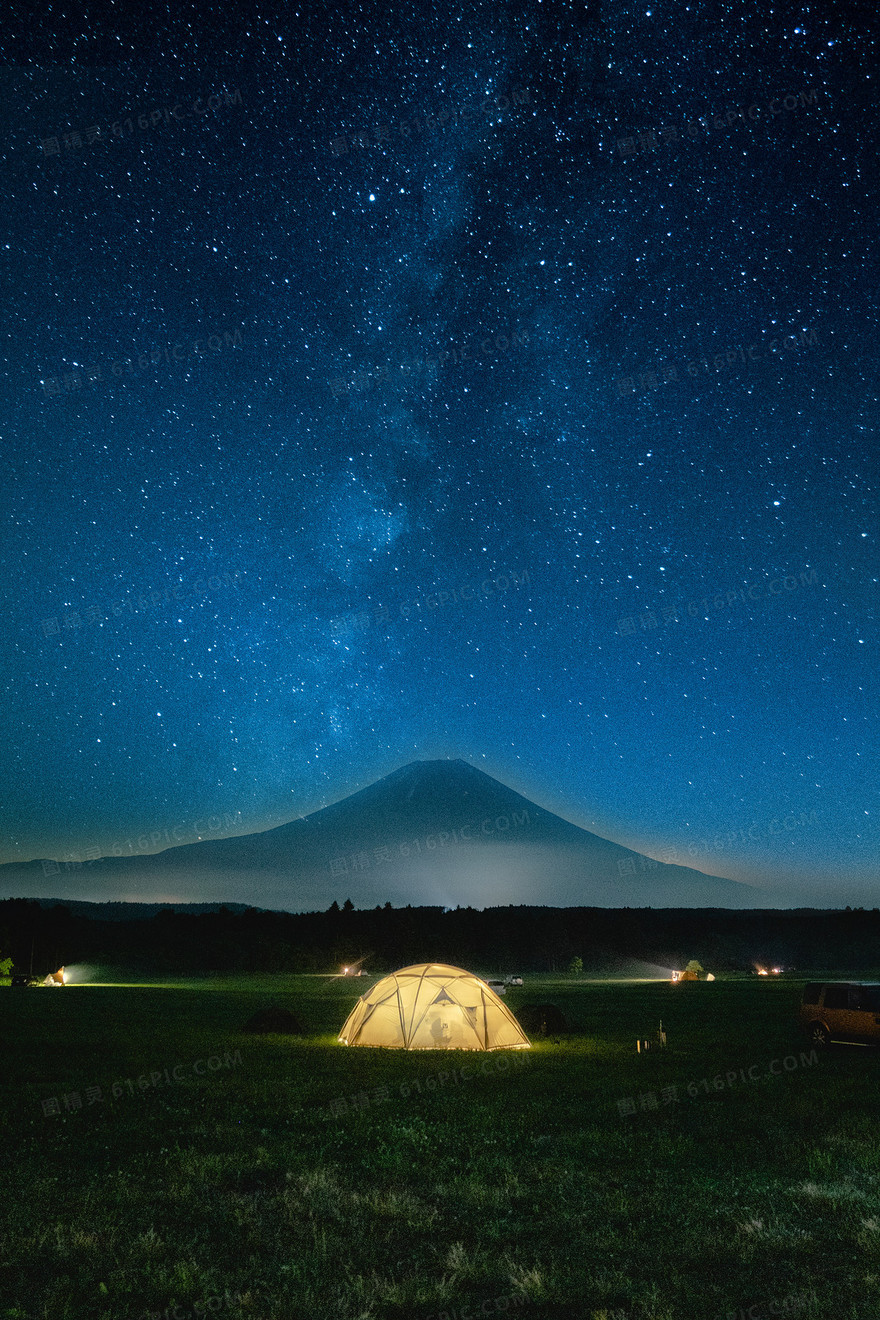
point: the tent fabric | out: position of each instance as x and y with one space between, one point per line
433 1007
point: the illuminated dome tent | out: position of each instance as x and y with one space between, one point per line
433 1007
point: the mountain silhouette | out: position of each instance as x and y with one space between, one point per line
430 833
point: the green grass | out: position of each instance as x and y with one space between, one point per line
524 1192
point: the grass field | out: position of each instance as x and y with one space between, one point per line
275 1177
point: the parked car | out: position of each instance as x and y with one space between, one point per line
841 1011
498 986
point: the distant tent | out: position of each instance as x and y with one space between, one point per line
433 1007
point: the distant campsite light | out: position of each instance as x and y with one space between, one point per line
55 978
676 976
79 973
776 971
762 971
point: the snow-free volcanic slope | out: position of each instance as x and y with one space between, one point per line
432 832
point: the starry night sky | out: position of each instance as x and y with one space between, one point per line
495 382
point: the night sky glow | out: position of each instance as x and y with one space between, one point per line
414 381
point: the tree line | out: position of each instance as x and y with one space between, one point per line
503 940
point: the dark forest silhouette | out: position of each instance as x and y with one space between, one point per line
503 940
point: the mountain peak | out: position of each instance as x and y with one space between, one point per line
443 781
438 831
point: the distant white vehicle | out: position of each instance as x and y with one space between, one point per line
514 980
498 986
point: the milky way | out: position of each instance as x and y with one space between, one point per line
420 381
